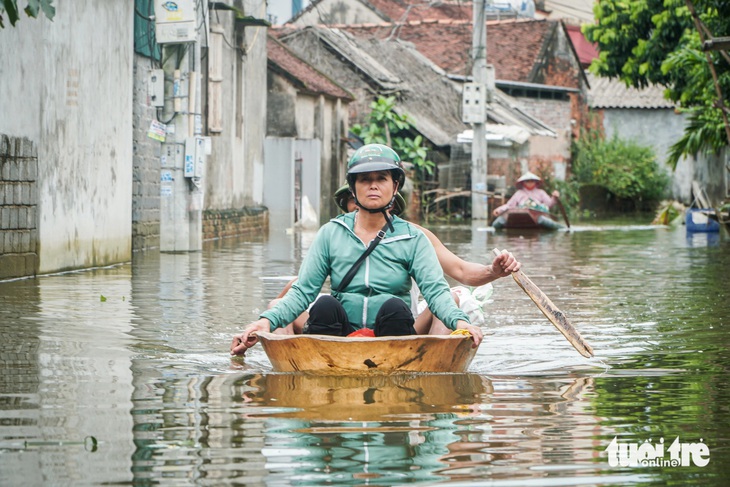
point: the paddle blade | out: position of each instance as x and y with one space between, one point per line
552 313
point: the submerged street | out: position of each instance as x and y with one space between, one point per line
136 356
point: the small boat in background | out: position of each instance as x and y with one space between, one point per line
527 218
322 354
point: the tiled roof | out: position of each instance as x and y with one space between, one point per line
423 90
612 93
513 46
307 77
410 10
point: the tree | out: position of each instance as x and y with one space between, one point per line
643 42
32 9
385 126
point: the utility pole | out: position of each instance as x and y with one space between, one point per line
183 152
479 210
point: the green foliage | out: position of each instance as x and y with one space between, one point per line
385 126
667 213
644 42
625 168
32 9
569 193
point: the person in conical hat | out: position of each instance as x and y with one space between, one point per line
529 194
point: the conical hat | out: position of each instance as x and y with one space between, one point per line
528 176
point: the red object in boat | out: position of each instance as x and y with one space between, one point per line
525 218
362 332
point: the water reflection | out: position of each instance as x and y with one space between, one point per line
366 398
304 430
136 356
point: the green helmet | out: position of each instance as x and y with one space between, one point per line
343 194
375 157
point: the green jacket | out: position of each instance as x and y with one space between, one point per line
403 254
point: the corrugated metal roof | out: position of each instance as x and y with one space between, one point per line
360 58
580 10
586 51
613 93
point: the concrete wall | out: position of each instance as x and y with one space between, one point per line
307 117
254 109
557 115
279 181
235 167
290 163
658 129
68 85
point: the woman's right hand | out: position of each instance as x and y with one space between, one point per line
247 339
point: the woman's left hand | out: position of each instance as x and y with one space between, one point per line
475 331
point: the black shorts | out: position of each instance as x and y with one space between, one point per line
328 317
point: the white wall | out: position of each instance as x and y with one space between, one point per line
658 129
67 86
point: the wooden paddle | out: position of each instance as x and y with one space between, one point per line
562 210
551 312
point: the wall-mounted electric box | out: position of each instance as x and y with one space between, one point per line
194 166
175 21
157 88
474 103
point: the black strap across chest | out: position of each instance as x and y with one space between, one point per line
373 243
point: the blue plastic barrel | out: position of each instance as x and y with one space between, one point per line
697 220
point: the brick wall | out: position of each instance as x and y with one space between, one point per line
555 113
146 161
18 207
230 223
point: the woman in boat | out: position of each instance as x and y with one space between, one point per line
464 272
377 297
529 195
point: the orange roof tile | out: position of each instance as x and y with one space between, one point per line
310 79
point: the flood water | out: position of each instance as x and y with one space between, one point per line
136 357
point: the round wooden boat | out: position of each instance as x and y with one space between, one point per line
527 218
323 354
